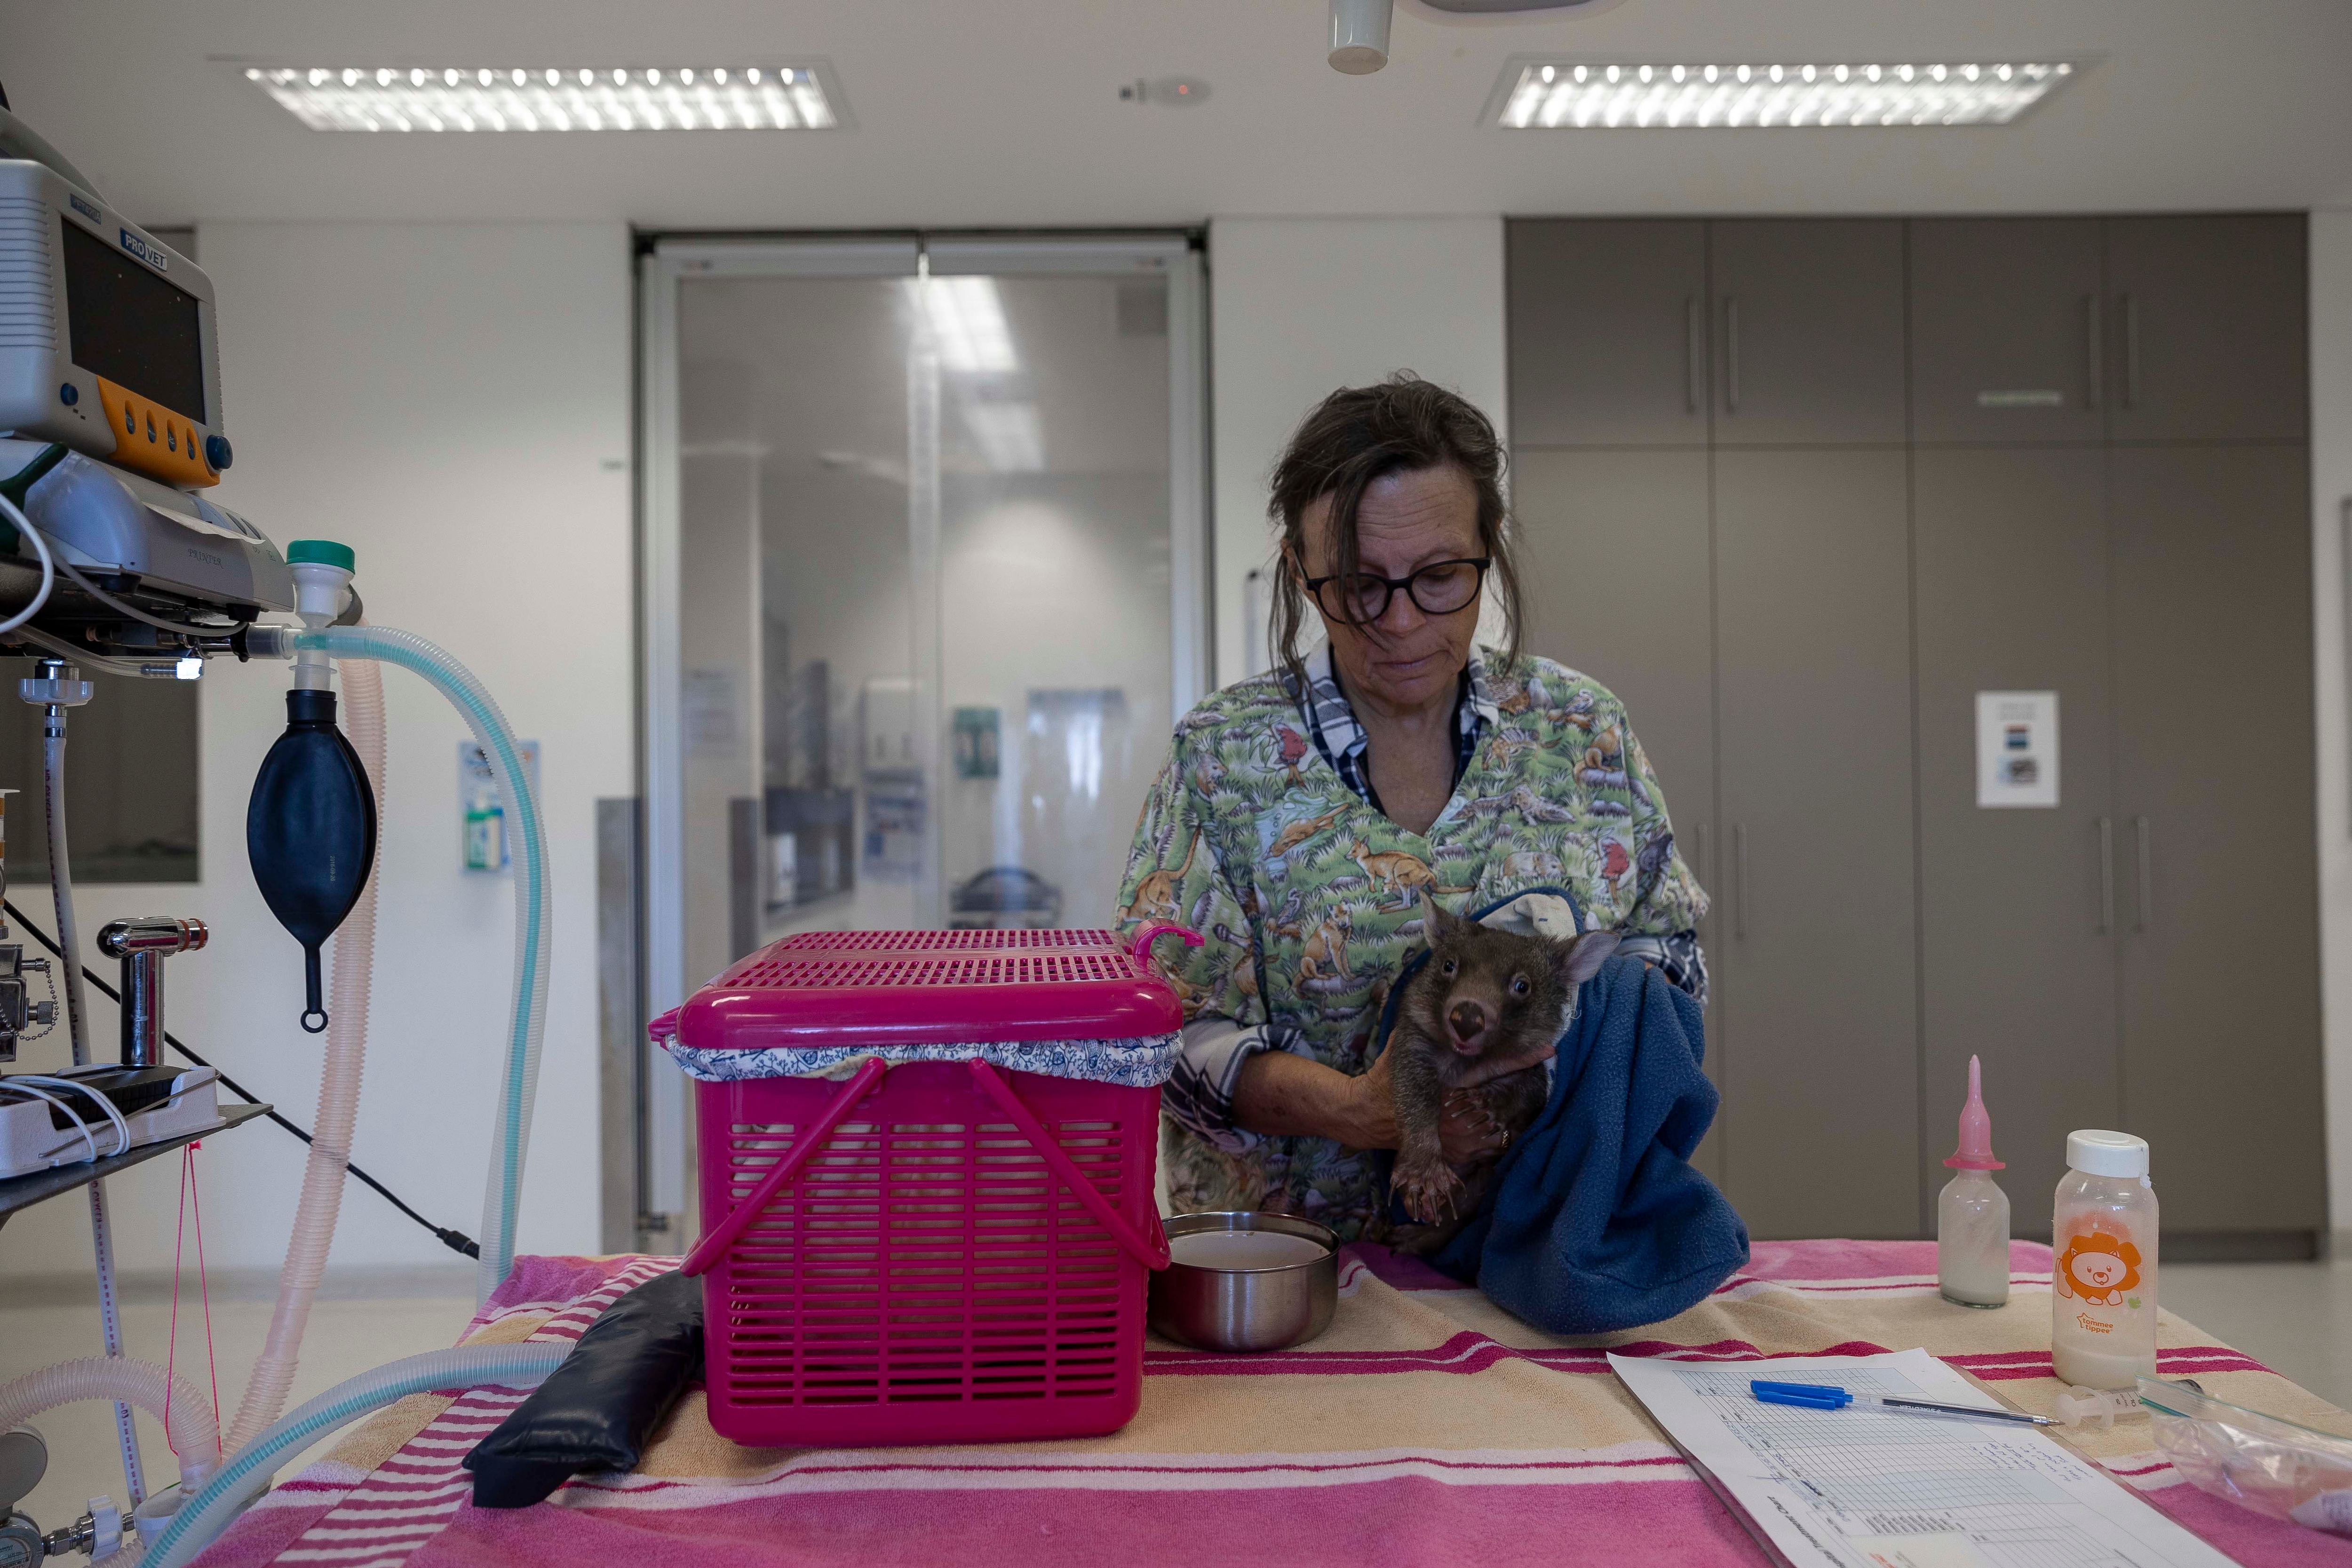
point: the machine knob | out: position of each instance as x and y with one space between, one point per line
105 1528
142 945
151 933
59 684
217 453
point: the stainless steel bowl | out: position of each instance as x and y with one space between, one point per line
1255 1309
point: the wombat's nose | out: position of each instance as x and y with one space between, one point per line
1469 1021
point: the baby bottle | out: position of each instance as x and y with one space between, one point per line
1972 1216
2103 1271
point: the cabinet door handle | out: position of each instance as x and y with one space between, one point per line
2106 876
2146 862
1693 352
1731 366
2093 352
2131 352
1739 881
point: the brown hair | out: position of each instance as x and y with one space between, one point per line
1359 435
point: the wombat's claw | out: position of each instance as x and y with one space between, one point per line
1427 1191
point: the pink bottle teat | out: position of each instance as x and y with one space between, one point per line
1975 1153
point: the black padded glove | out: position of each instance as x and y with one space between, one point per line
597 1410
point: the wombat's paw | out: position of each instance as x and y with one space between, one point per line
1431 1191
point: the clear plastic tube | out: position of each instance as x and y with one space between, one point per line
101 1234
512 1136
194 1432
209 1512
339 1094
53 803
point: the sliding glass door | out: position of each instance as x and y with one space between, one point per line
925 567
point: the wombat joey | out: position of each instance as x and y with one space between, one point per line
1488 1002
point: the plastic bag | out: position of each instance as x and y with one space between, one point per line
2261 1462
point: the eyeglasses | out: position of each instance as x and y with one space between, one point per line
1439 588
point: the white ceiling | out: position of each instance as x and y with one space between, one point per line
977 113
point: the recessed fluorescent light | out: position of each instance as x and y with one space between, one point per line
1605 95
552 98
967 321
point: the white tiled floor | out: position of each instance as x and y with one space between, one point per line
2295 1318
345 1339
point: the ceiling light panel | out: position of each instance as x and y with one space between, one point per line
553 98
966 319
1589 95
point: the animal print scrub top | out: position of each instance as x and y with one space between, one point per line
1262 834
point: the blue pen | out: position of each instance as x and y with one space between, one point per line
1829 1396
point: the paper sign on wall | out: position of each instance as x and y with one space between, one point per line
2017 748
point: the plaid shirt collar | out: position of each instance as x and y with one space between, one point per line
1331 721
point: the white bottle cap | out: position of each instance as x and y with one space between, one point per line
2099 1153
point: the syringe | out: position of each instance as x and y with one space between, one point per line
2101 1405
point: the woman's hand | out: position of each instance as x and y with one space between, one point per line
1280 1093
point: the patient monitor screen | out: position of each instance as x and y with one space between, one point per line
132 326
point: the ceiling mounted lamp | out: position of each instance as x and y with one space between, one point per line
1618 95
1360 28
553 98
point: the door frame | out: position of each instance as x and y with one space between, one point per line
665 263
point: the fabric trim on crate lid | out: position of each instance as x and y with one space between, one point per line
1140 1063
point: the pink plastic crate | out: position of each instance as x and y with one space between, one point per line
945 1251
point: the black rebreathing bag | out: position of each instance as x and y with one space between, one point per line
310 831
597 1410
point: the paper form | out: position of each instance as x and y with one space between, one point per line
1862 1487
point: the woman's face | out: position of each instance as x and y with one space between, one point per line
1406 660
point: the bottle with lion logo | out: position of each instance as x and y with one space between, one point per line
2103 1268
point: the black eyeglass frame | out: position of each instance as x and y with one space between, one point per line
1389 587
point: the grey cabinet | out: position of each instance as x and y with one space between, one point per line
2209 340
1808 330
2017 906
1608 332
1814 940
2214 790
2047 454
1615 546
2008 331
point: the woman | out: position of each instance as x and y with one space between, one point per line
1303 812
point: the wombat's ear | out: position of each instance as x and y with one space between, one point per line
1433 919
1579 961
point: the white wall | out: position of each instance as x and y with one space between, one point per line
453 401
2331 471
1300 307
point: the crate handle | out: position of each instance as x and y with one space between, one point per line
1139 945
720 1236
1151 1254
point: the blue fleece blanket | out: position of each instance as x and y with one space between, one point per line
1594 1219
